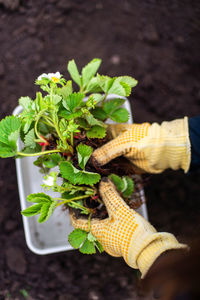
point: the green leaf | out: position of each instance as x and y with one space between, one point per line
73 101
122 86
39 198
99 113
82 123
52 160
67 115
96 132
32 210
56 99
25 102
73 127
99 246
76 176
77 237
88 178
127 88
39 103
112 105
43 128
29 139
118 181
128 191
93 86
84 153
93 121
12 138
8 126
6 151
46 211
87 247
66 90
105 82
97 97
27 118
132 82
9 134
120 115
91 237
73 71
39 161
123 184
27 125
117 88
69 172
90 70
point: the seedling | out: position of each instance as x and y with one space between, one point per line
62 127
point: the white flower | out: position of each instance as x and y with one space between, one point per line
44 75
49 181
55 77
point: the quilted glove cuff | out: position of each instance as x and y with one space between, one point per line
153 247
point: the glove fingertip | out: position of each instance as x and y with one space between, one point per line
94 160
106 188
97 158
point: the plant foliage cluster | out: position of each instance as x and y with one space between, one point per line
50 127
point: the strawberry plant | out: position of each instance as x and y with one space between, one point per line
61 127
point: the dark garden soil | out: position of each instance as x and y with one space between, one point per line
159 45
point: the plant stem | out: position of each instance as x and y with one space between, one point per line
54 119
47 121
58 132
82 207
38 153
70 200
68 147
81 88
36 123
51 93
102 103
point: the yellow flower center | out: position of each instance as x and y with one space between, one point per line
54 79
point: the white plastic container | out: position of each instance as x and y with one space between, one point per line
51 236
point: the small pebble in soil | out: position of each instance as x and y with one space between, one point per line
115 59
94 295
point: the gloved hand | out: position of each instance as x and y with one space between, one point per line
151 148
126 233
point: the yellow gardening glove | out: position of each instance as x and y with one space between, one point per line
126 233
151 148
